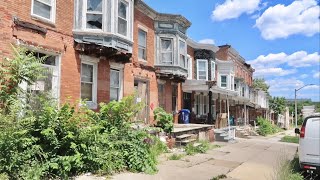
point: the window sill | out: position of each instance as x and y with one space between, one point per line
43 20
143 61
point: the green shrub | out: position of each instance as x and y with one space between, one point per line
300 120
266 128
201 147
164 120
290 139
38 140
175 156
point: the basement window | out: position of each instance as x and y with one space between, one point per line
44 9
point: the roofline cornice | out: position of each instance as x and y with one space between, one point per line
197 45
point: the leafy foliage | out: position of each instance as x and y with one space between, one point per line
266 127
56 143
278 104
24 67
201 147
176 156
164 120
261 84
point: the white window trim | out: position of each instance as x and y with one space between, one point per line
52 13
146 33
206 68
127 18
190 67
119 67
185 53
94 62
84 16
220 81
172 50
232 82
213 70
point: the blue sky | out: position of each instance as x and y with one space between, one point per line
279 38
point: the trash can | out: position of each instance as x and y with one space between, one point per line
184 116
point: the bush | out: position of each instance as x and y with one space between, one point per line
202 147
175 156
48 142
300 120
164 120
266 128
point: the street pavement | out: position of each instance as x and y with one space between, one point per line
247 159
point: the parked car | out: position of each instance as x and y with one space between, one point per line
309 144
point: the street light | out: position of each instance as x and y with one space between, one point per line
295 102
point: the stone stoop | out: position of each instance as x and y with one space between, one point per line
185 139
222 135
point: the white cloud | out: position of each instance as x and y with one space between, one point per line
231 9
316 75
280 21
274 71
296 59
303 76
207 41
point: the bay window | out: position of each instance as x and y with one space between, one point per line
223 81
142 43
115 85
94 17
166 51
122 18
44 9
202 69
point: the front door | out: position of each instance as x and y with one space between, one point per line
142 89
187 101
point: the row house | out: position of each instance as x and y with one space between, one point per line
103 50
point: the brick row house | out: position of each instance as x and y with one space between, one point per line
103 50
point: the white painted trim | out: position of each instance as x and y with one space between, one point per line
146 45
94 62
142 27
52 13
220 82
213 73
190 68
185 50
202 60
119 67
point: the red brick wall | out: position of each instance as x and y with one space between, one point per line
133 71
58 40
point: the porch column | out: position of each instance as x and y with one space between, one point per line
245 113
210 112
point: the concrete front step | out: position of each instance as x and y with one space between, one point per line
184 136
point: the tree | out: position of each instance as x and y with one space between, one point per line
261 84
277 104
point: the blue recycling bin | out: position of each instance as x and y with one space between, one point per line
184 116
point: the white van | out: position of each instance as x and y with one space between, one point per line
309 144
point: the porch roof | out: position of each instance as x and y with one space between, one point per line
201 86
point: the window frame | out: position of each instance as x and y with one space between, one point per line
126 19
213 70
226 81
52 13
85 12
94 62
139 46
206 68
119 87
232 82
184 54
117 67
189 61
162 52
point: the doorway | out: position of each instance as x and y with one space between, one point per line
142 96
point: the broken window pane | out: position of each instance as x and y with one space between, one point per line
114 78
41 9
122 26
94 21
166 45
94 5
114 94
87 73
